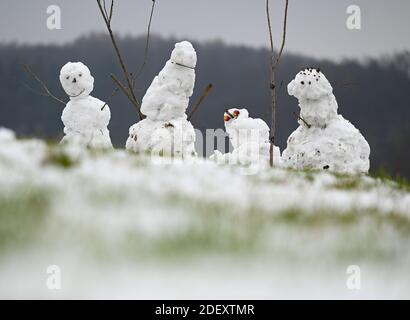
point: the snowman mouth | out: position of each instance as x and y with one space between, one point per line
183 65
76 95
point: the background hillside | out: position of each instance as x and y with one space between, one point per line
374 94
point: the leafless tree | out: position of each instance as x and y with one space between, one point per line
274 62
128 88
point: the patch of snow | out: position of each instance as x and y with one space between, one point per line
113 215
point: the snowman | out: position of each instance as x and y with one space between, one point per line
85 118
166 130
249 138
324 140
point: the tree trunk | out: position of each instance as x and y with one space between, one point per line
273 123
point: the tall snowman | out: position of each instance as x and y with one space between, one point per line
324 140
166 130
85 118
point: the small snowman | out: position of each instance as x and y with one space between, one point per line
85 118
166 130
324 140
249 138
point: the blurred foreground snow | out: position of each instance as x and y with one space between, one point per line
121 225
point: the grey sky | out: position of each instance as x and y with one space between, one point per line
316 27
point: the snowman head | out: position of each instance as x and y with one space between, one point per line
184 55
310 84
76 80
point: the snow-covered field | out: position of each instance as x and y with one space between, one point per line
121 225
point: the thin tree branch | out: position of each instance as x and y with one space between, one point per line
200 100
39 93
108 100
275 62
270 34
111 11
105 8
298 117
139 71
285 24
47 92
121 87
131 96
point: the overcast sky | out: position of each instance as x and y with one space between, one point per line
316 27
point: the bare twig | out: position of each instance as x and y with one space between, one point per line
108 15
105 8
121 87
274 62
139 71
270 33
39 93
130 92
285 25
108 100
298 117
46 92
111 11
200 100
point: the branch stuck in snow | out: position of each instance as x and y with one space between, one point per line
200 100
298 117
46 92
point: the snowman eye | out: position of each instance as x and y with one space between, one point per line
80 75
68 77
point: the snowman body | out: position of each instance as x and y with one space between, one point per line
166 130
85 123
85 118
324 140
171 138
